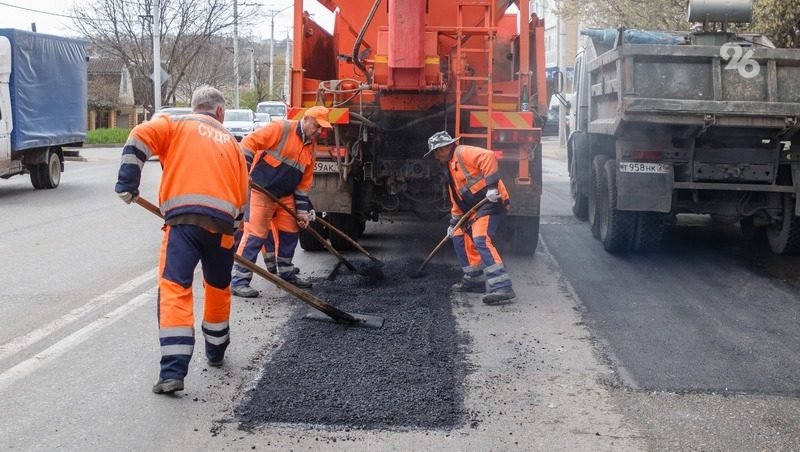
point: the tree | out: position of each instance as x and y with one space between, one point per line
779 20
645 14
124 29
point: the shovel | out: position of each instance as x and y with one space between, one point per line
329 310
461 221
332 275
370 271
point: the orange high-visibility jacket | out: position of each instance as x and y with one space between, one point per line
471 171
283 163
204 170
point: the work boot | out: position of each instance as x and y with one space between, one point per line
217 363
167 386
299 282
274 270
244 291
499 296
464 286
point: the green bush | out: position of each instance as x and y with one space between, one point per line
107 136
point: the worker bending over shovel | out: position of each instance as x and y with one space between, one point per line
282 155
472 175
203 192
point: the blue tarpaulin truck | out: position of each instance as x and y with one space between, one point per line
43 98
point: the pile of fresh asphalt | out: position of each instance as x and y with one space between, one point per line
408 374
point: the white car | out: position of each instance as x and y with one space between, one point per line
239 123
262 119
275 108
172 111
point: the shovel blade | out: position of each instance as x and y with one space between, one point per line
361 320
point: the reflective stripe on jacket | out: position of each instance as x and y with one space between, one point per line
471 171
283 164
203 170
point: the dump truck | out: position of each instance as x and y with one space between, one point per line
393 73
43 104
701 122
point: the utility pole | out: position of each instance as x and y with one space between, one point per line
252 69
156 55
272 15
287 61
562 66
235 54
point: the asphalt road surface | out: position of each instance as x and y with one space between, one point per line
689 349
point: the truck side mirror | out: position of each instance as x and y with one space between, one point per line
557 84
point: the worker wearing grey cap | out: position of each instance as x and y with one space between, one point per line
472 175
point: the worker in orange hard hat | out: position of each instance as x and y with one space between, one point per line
203 194
472 175
282 156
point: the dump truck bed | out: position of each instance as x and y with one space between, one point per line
694 85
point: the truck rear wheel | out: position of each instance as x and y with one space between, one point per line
616 226
597 185
308 242
47 175
649 231
346 223
580 206
784 237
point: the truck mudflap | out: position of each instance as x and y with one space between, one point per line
644 186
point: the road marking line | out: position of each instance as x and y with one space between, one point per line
61 347
20 343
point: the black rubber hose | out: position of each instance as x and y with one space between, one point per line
360 38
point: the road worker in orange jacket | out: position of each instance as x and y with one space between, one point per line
472 175
282 155
203 193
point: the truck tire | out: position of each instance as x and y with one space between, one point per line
649 231
47 175
580 207
784 237
616 226
520 235
346 223
597 185
308 242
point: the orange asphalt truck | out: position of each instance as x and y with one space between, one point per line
395 72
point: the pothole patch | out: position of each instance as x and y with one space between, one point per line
408 374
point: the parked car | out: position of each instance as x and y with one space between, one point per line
262 119
172 111
239 122
551 126
275 108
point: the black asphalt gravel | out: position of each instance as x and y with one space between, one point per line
408 374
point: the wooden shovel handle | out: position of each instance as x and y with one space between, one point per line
307 297
314 233
458 224
347 238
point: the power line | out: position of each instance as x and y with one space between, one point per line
39 11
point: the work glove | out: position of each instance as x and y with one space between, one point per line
312 215
451 230
127 197
493 195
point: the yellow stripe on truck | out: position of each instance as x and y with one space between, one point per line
336 115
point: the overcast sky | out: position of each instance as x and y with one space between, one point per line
48 16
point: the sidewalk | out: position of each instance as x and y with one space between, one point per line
552 149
